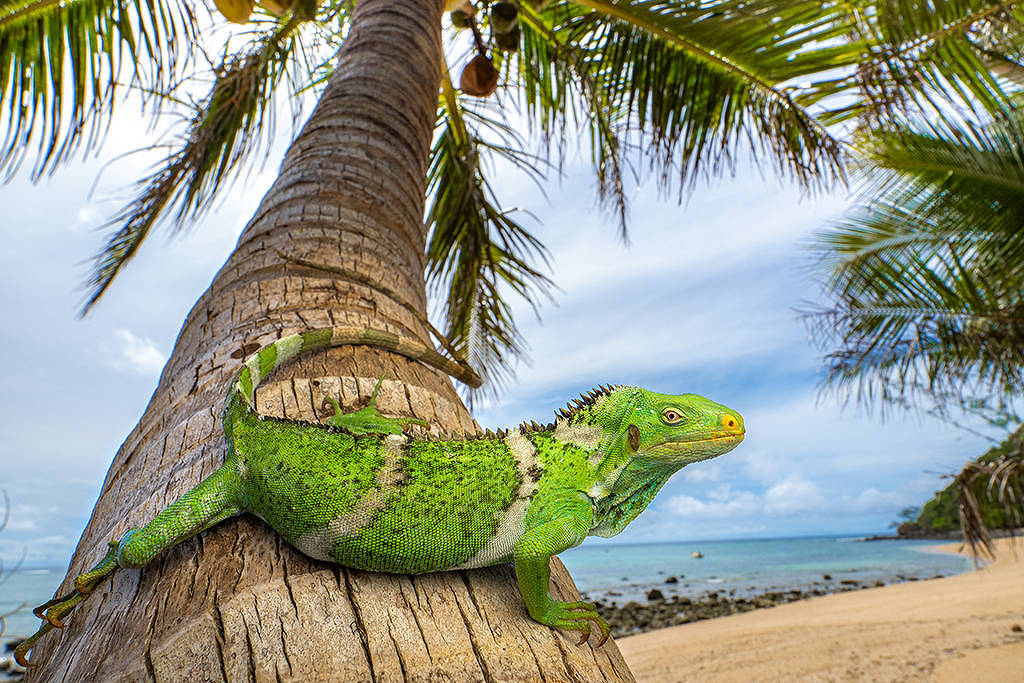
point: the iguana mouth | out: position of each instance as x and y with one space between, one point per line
709 439
701 447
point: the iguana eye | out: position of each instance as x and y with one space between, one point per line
671 416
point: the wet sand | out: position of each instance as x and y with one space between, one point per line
960 628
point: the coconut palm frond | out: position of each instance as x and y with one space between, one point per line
477 252
547 80
927 318
901 350
1000 46
685 86
559 94
931 56
999 481
924 191
972 526
60 63
228 127
316 55
930 192
699 82
764 42
926 273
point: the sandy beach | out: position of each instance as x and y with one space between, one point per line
968 627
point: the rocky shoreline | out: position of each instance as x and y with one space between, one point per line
660 611
910 531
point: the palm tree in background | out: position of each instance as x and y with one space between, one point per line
927 275
674 91
928 270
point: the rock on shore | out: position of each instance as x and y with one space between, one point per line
660 612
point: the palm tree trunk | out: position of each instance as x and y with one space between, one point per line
237 603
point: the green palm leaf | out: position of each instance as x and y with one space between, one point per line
685 86
60 63
477 252
927 274
924 56
227 128
998 480
553 77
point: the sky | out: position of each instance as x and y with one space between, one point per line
702 301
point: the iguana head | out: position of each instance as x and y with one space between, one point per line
646 438
664 429
677 430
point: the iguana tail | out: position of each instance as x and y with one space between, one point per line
260 364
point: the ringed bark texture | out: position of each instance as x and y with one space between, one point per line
236 603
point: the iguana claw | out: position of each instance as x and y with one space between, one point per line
21 652
40 611
53 611
577 616
601 625
586 636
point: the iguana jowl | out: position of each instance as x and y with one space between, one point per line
360 493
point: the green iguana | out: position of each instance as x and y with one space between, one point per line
360 493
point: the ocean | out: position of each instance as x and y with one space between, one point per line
619 573
616 572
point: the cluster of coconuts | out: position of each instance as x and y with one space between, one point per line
480 77
239 11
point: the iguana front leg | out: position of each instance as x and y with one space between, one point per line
368 420
567 521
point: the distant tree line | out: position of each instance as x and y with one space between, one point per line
985 495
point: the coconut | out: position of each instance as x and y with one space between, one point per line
237 11
278 8
508 42
504 18
479 77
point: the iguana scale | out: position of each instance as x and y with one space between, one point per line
360 493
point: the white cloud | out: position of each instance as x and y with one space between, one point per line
698 475
22 524
136 354
88 217
727 503
873 499
793 495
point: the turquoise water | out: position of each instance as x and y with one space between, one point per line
742 567
752 567
29 587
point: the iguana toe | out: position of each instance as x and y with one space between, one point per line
577 616
52 612
368 420
22 650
